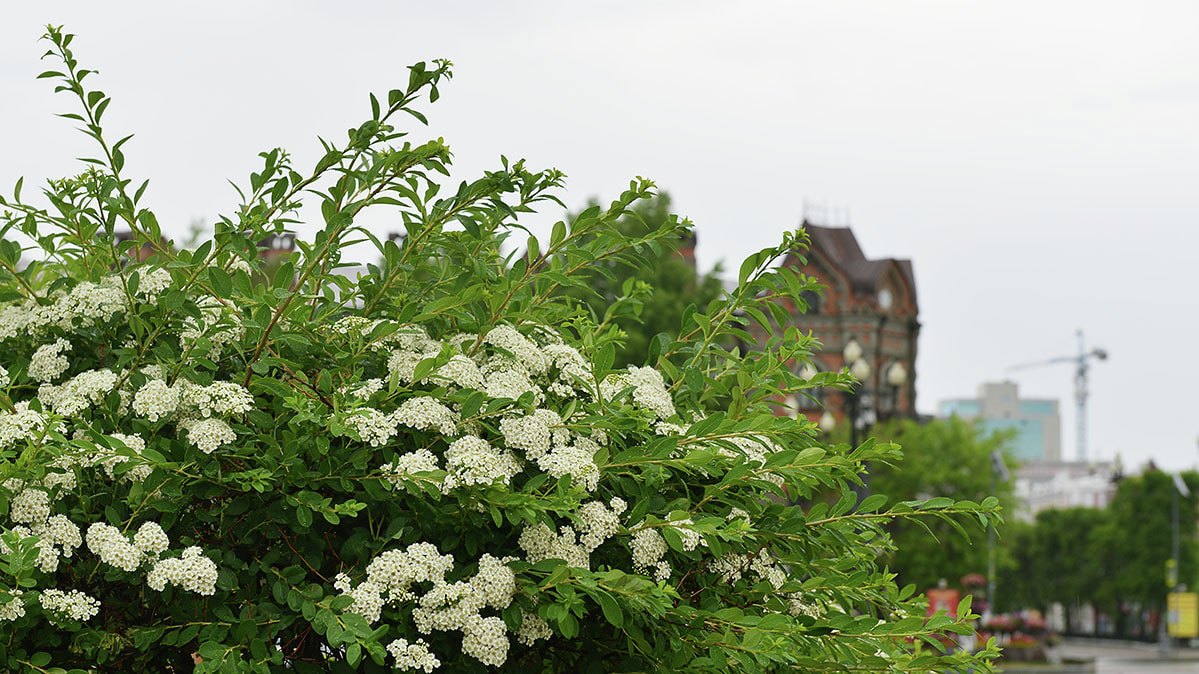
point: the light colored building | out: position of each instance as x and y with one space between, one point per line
999 407
1043 480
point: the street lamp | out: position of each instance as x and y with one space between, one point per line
859 401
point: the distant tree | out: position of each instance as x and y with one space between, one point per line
644 300
941 458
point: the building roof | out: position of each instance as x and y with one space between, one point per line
841 247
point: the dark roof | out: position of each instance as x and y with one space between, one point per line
841 247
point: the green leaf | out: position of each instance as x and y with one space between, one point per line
611 609
222 285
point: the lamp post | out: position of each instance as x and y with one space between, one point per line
859 402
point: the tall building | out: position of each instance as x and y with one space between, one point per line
1042 479
999 407
870 301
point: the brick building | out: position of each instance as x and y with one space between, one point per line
870 301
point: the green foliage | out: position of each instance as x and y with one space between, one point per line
941 458
1107 557
648 299
438 454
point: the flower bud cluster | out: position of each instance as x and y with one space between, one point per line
73 605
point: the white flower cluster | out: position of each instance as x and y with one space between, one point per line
521 349
200 412
48 363
191 571
74 605
57 535
372 426
420 461
574 372
648 548
649 390
446 607
532 628
22 424
732 567
460 371
413 347
139 472
756 449
540 542
426 413
505 381
151 284
4 380
207 434
78 393
12 608
597 522
577 460
414 656
155 400
86 305
113 547
472 460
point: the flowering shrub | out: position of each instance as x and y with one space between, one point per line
429 465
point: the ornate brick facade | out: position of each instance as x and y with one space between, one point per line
872 301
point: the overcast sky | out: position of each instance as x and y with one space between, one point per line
1037 161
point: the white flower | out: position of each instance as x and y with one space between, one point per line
420 461
60 531
151 539
427 413
368 601
413 656
576 460
510 383
155 400
208 434
22 424
535 433
460 371
151 284
4 380
471 460
48 363
192 572
139 472
12 607
574 372
532 628
540 542
79 392
598 523
74 604
519 347
495 584
648 548
113 547
486 640
372 426
30 506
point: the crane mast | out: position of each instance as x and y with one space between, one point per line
1082 364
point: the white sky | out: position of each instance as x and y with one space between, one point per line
1036 160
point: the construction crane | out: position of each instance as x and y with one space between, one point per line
1082 363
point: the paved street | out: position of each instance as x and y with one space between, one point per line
1132 658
